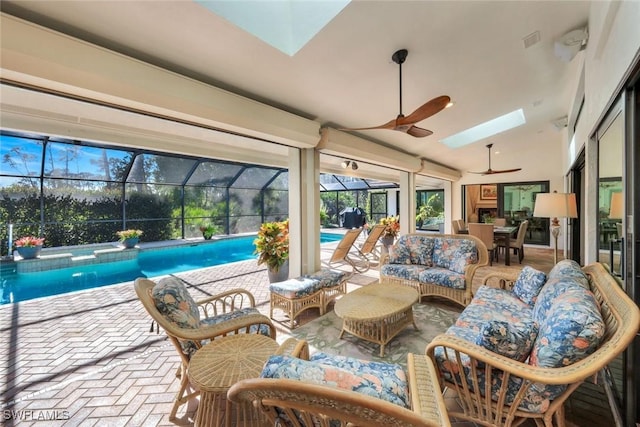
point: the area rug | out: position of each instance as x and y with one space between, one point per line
432 319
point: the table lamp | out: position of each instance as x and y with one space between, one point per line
555 205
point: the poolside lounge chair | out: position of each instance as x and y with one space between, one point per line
341 254
190 324
370 249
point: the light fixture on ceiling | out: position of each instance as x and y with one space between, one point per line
568 46
345 164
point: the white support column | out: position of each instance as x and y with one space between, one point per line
307 211
295 220
407 206
448 206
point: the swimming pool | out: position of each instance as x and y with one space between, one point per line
150 263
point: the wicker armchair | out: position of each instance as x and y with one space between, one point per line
315 405
222 314
622 321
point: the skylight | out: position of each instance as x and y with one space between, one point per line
486 129
286 25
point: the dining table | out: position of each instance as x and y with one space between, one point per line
503 234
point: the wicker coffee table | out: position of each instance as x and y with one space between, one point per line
219 365
377 312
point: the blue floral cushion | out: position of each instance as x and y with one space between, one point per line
173 301
420 249
348 373
528 284
512 340
296 288
403 271
399 253
443 277
454 254
550 291
328 278
492 304
572 329
568 268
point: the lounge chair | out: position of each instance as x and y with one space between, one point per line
190 324
341 254
370 250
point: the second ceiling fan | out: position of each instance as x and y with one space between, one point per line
493 171
407 124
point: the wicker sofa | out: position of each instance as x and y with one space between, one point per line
435 264
524 346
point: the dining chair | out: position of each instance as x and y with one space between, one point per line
484 232
517 245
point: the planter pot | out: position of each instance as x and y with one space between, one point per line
29 252
281 275
387 241
207 236
130 243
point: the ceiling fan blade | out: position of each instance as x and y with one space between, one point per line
493 172
428 109
391 124
418 132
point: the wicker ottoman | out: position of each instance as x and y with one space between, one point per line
294 296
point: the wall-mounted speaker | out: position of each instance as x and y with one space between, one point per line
568 46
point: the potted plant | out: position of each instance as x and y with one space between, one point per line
392 230
208 230
29 247
129 238
272 246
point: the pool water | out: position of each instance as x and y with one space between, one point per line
150 263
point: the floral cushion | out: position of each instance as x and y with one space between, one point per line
403 271
550 291
173 301
381 380
399 253
454 254
491 304
571 330
512 340
568 268
328 278
189 347
443 277
528 284
420 249
296 288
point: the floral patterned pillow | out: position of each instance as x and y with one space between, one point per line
510 340
399 253
174 302
528 285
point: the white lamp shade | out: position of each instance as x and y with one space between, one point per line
616 209
555 205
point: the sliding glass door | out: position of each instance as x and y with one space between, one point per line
516 203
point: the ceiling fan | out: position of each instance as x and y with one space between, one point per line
491 171
407 124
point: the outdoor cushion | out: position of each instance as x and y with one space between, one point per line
173 301
528 285
548 294
420 249
382 380
403 271
493 304
568 268
454 254
443 277
512 340
399 253
328 278
296 288
571 330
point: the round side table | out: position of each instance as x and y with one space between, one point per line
218 365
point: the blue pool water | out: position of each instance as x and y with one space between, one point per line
150 263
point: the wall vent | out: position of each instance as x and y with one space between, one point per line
531 39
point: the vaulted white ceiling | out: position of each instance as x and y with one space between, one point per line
472 51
